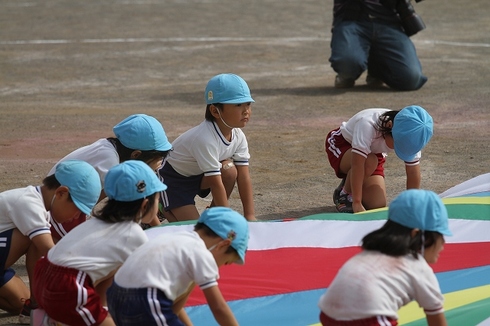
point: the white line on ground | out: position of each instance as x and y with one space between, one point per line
219 39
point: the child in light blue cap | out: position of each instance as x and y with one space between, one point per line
25 216
393 268
80 267
137 137
152 286
357 150
213 156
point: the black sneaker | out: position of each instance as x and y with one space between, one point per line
25 313
344 204
336 192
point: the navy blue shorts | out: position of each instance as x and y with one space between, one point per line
140 306
5 241
181 190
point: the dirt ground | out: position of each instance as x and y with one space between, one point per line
71 70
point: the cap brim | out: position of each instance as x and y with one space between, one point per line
240 100
240 261
404 156
82 207
446 232
164 148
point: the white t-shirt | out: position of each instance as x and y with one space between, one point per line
97 247
201 149
170 263
102 155
23 209
361 133
374 284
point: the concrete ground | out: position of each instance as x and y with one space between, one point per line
71 70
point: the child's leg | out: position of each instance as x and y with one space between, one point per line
370 166
12 293
182 213
229 175
374 192
374 187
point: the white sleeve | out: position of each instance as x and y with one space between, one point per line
241 155
202 269
362 137
28 213
427 291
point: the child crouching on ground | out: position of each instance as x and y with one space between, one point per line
24 225
213 156
152 286
393 268
71 280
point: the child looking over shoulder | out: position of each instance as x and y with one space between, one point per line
213 156
137 137
393 268
72 279
357 150
152 286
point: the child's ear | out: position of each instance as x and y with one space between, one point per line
62 191
214 111
414 233
135 154
225 243
389 124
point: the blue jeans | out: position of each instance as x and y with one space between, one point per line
384 50
142 306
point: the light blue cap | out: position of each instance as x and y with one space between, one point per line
420 209
227 89
132 180
142 132
82 181
412 130
228 224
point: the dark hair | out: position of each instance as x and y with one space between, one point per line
208 116
125 152
382 123
395 240
52 183
210 233
115 211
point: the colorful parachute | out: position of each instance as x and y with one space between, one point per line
289 264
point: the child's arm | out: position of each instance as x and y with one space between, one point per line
178 306
218 191
184 318
220 309
436 320
102 285
43 243
356 181
244 183
413 176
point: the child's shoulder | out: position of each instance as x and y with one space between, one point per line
29 194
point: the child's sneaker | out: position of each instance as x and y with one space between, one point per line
336 192
344 203
25 313
40 317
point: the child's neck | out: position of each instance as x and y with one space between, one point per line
47 195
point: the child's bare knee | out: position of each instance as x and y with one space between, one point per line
228 170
